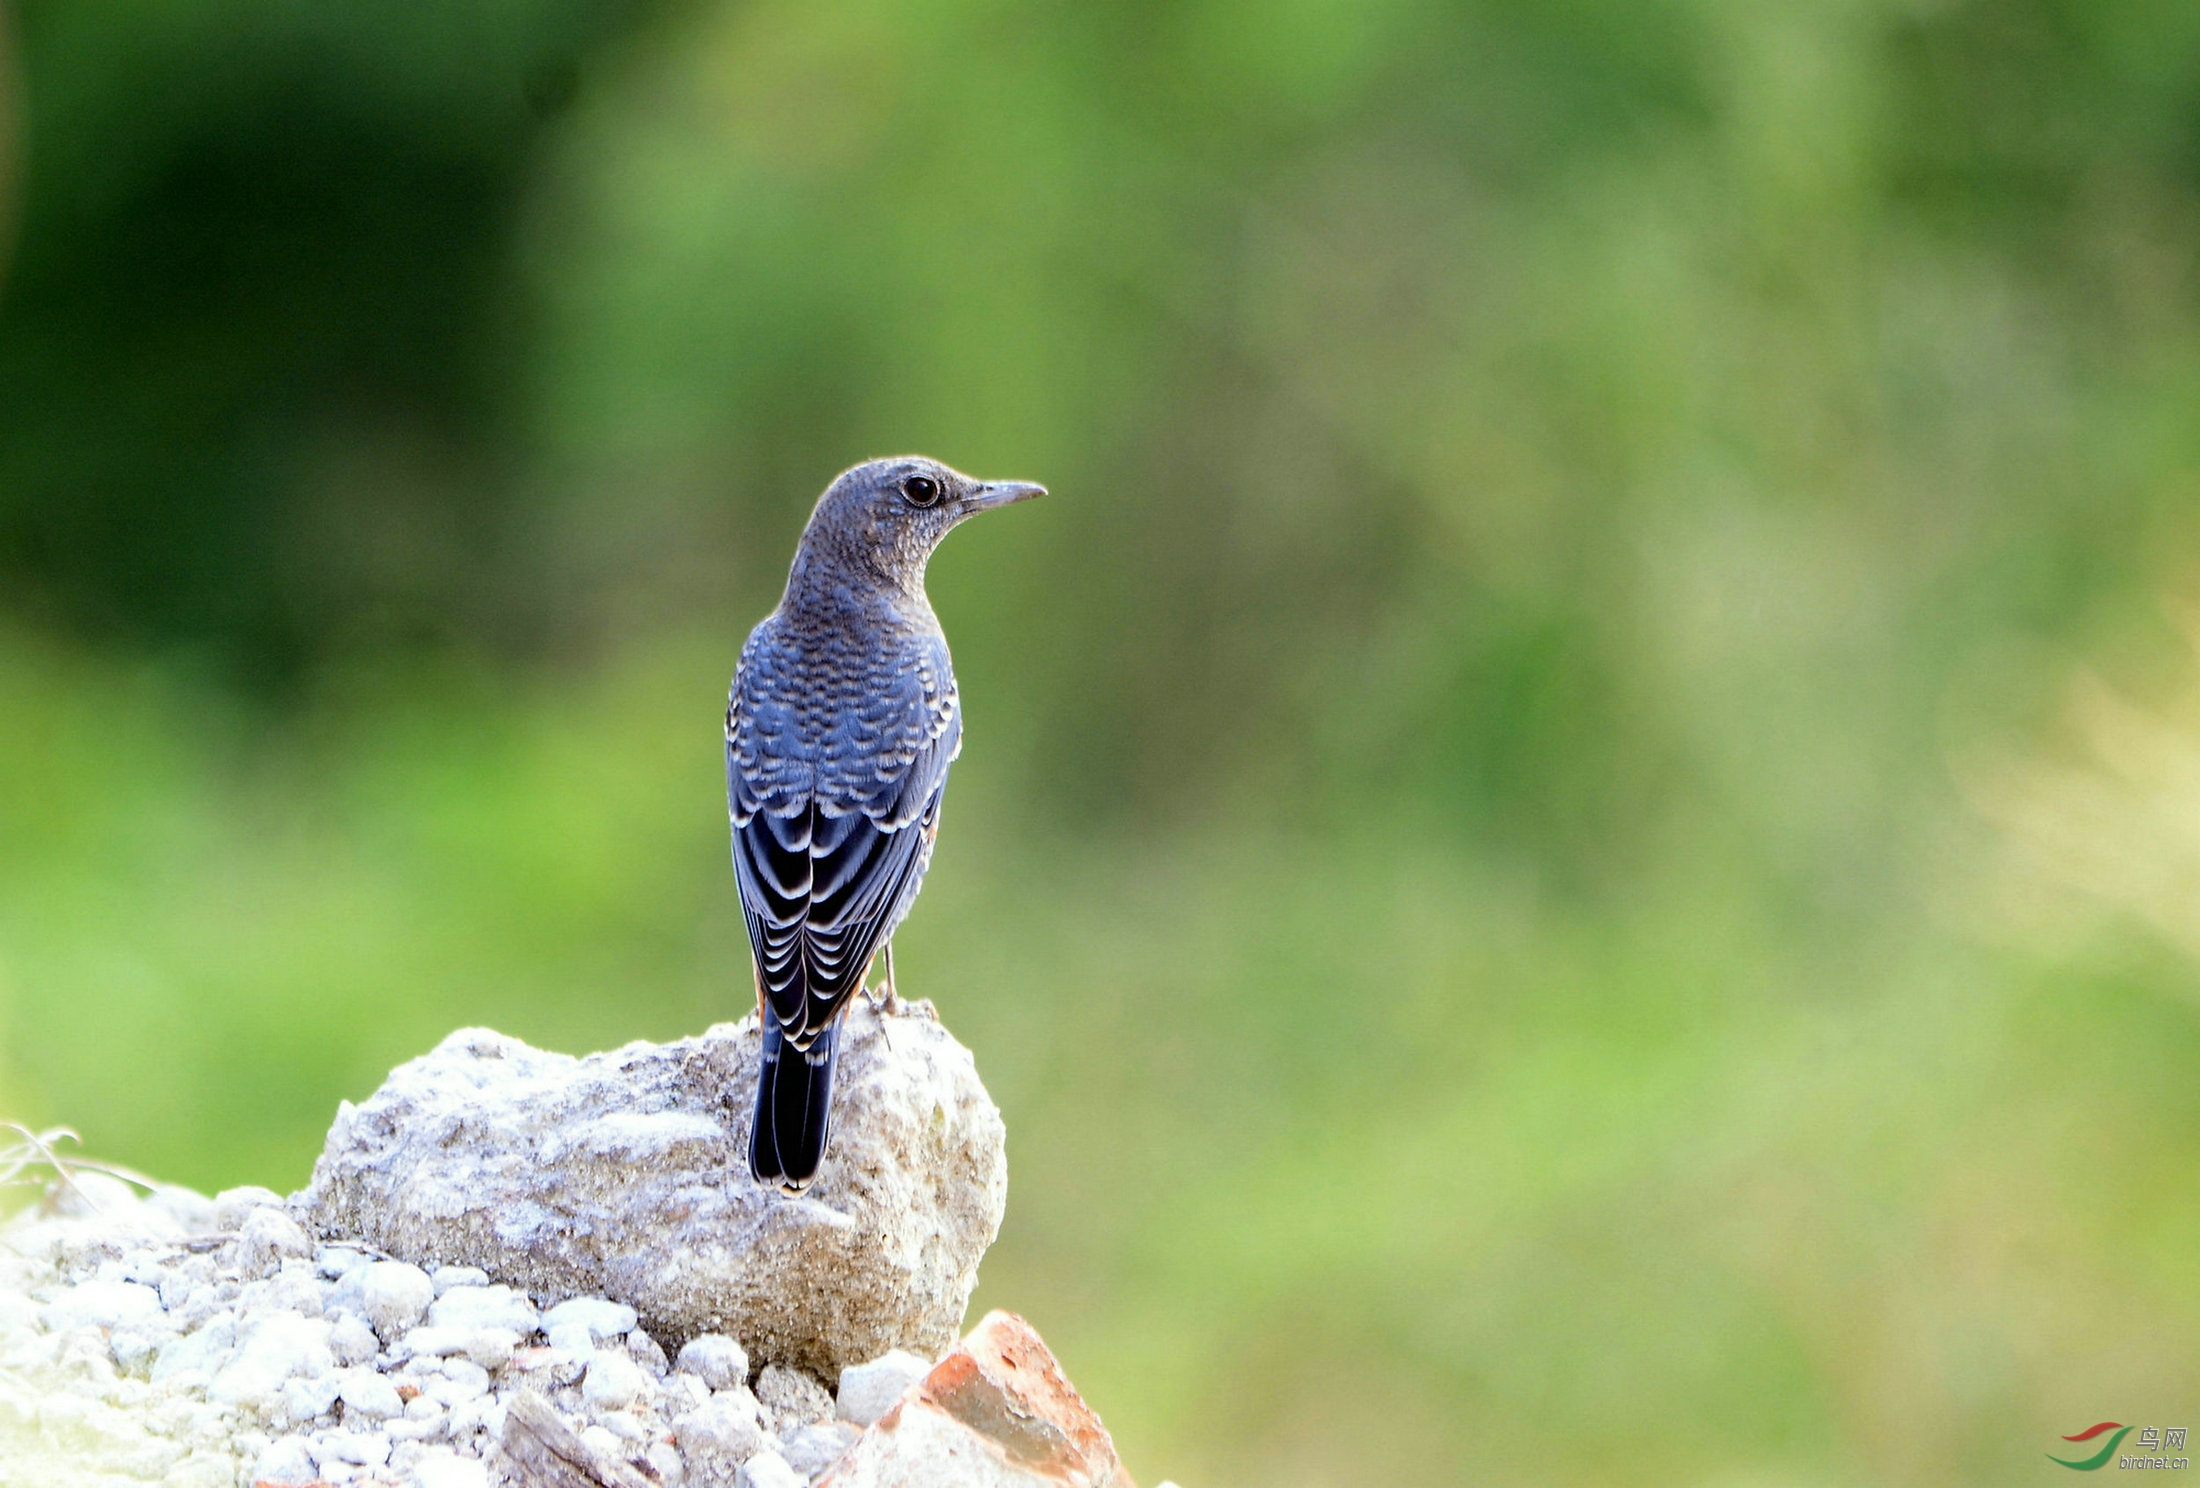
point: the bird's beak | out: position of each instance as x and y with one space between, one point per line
1001 493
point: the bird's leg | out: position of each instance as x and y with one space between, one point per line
893 998
878 1003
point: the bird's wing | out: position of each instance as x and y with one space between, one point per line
829 855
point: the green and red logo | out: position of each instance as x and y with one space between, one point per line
2099 1459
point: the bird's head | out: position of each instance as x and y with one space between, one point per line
884 517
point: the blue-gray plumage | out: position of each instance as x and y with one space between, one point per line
841 725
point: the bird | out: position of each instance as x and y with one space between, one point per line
841 724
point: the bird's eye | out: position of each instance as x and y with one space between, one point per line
921 490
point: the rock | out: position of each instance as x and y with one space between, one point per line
648 1353
308 1397
101 1304
768 1470
613 1382
491 1348
447 1277
286 1460
868 1391
624 1175
719 1435
791 1398
232 1205
718 1361
811 1449
995 1413
602 1319
359 1448
538 1450
443 1468
268 1236
273 1348
471 1307
369 1394
394 1296
351 1340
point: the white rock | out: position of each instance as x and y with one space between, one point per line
812 1449
308 1397
720 1434
351 1340
625 1425
369 1394
336 1261
274 1347
360 1448
287 1459
101 1304
491 1348
572 1338
431 1342
446 1469
447 1277
466 1377
718 1361
471 1307
199 1353
613 1382
868 1391
769 1470
231 1205
266 1237
622 1175
394 1296
648 1353
136 1346
603 1319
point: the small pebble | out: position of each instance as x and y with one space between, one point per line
603 1318
351 1340
446 1469
471 1307
868 1391
613 1382
266 1237
231 1205
725 1429
286 1460
393 1295
718 1361
648 1353
492 1348
337 1261
768 1470
360 1448
791 1398
446 1277
369 1394
812 1449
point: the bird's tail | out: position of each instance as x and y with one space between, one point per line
794 1107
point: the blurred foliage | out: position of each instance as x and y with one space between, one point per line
1457 881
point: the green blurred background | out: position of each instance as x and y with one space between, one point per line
1577 855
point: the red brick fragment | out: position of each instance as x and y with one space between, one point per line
997 1412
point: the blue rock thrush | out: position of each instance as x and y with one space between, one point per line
839 731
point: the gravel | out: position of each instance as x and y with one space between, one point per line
214 1344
